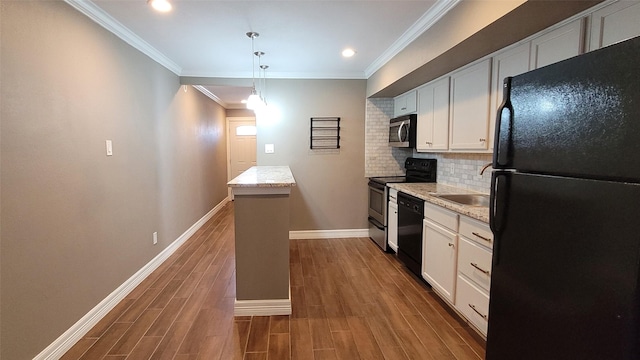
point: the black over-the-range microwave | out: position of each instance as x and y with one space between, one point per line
402 131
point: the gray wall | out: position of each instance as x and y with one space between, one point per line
75 223
331 191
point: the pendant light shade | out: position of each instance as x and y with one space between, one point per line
254 102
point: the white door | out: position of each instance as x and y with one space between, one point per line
242 146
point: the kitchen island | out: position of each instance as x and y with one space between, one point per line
261 206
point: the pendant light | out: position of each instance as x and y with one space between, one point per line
263 85
254 100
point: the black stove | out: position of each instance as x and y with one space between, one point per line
417 170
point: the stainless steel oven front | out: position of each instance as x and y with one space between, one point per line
378 214
378 202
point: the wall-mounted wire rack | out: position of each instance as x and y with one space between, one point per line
325 133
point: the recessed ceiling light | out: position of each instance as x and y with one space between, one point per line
348 52
160 5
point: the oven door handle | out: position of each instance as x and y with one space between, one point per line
375 185
376 223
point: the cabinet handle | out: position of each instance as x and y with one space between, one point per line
482 140
473 307
481 237
450 244
404 108
428 143
486 272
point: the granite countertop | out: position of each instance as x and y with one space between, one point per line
264 176
425 191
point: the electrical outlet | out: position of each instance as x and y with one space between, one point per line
155 237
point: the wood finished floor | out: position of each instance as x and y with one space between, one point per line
349 299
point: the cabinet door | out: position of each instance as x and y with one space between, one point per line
439 258
614 23
405 104
557 45
470 107
433 116
392 226
512 62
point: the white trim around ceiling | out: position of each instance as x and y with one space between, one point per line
280 75
427 20
210 95
108 22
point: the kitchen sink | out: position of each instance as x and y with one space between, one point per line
466 199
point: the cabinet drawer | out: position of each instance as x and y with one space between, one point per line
442 216
473 303
393 195
474 261
477 231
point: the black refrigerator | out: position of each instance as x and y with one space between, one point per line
565 211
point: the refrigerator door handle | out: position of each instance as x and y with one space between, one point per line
498 207
502 157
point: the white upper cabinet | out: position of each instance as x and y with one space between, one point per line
433 116
511 62
404 104
470 107
614 23
557 45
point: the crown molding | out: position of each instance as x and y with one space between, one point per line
426 21
210 95
355 75
105 20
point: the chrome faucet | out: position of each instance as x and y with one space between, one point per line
485 167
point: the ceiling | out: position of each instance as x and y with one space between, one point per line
301 39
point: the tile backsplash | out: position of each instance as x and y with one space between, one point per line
460 170
380 159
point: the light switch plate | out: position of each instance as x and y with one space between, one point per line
269 149
109 147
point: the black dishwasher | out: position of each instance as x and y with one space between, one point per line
410 216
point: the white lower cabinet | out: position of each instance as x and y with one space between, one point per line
473 303
439 250
392 226
456 262
474 261
439 259
474 272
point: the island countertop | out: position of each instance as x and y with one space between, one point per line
264 176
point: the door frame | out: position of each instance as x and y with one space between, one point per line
229 120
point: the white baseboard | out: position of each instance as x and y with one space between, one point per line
63 343
328 234
262 307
